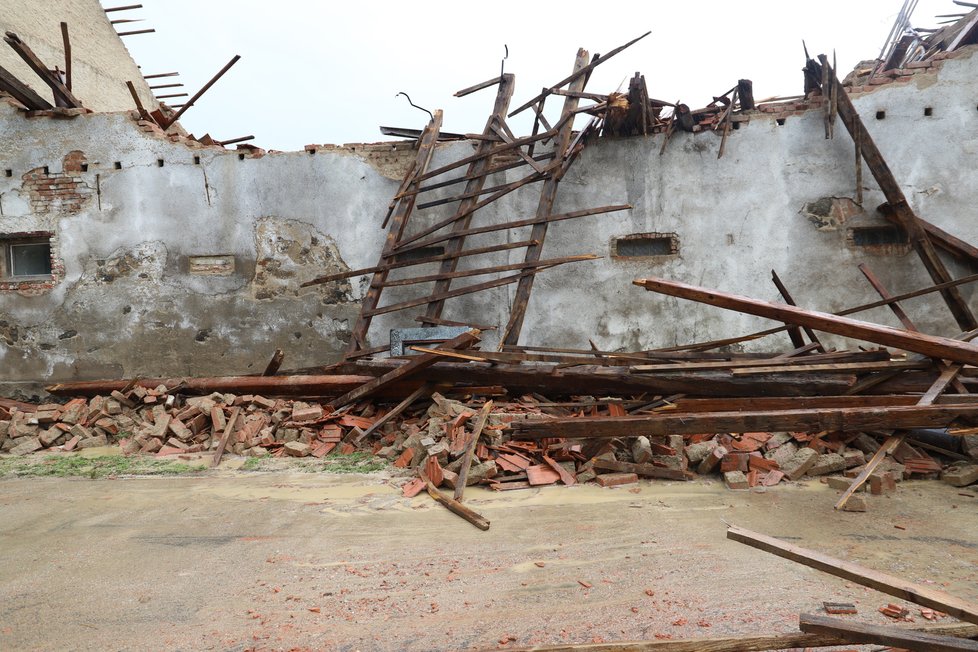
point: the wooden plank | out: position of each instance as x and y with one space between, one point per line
189 103
803 362
578 74
67 46
955 246
399 219
479 87
901 208
742 643
498 149
854 632
463 471
35 64
857 367
22 92
515 224
457 292
791 302
275 363
810 420
438 321
487 270
143 113
226 436
644 470
422 391
473 189
416 364
548 194
883 582
929 345
417 261
454 506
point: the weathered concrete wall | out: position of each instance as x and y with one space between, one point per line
100 63
173 258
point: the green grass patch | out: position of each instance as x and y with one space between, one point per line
358 462
65 466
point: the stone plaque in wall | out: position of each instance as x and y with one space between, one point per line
211 265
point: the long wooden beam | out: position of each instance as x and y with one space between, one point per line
486 270
811 420
847 570
929 345
854 632
21 91
898 202
35 64
742 643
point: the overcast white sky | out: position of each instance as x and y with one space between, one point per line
328 72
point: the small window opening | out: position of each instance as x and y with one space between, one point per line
26 258
84 167
9 173
117 165
880 115
418 254
928 111
196 160
645 244
874 236
159 162
780 122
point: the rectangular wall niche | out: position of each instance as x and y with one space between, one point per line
645 245
885 239
25 257
222 265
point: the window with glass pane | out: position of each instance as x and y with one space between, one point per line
30 259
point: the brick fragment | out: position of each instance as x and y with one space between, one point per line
735 480
961 475
799 463
615 479
297 449
827 463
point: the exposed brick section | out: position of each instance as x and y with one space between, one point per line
55 193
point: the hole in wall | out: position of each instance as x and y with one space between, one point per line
881 115
312 151
418 254
241 157
196 160
117 165
159 162
928 111
84 167
644 245
736 125
9 173
780 122
46 170
875 236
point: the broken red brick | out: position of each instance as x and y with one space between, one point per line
615 479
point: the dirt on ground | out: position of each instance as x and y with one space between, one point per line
288 560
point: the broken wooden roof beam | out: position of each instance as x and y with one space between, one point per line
929 345
62 96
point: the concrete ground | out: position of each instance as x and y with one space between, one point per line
290 560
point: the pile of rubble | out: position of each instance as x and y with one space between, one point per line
434 435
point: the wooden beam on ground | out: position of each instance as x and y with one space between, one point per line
883 582
548 196
743 643
902 211
35 64
416 364
425 390
864 633
454 506
929 345
463 471
810 420
644 470
22 92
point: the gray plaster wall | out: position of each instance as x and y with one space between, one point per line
129 303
